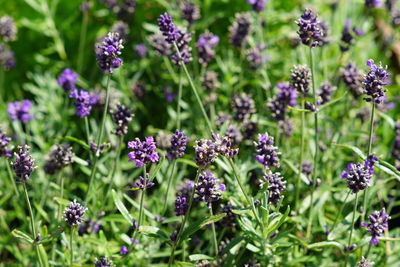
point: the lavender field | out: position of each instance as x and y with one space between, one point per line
200 133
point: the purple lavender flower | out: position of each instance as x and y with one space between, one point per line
67 80
23 164
255 57
277 109
4 141
168 28
373 3
348 35
206 45
353 79
85 6
20 111
139 90
374 81
181 205
207 189
185 189
287 96
243 107
275 187
123 250
121 28
224 146
178 145
7 59
160 46
364 263
205 152
358 176
267 153
184 56
141 50
143 152
325 94
108 52
168 94
59 158
257 5
103 262
376 227
8 29
240 29
84 102
121 116
234 134
310 30
300 78
190 12
209 81
73 214
143 183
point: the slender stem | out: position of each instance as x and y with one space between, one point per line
185 217
33 228
340 212
214 234
71 239
178 107
60 206
368 250
82 39
142 200
170 69
169 186
11 177
298 182
87 129
235 172
1 87
99 136
316 141
353 220
371 131
203 111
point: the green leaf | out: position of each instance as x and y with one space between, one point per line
325 244
153 232
187 162
52 236
389 238
76 140
296 170
193 228
21 235
121 207
199 257
299 109
276 225
43 256
62 201
155 171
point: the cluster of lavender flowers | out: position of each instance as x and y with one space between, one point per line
122 8
4 141
190 12
20 111
143 151
276 186
103 262
325 93
256 58
376 227
311 32
67 80
348 35
121 116
206 45
178 145
353 78
141 50
59 158
73 214
267 153
207 189
143 183
243 107
240 30
84 102
8 29
287 96
108 52
374 81
358 175
160 46
7 60
23 164
257 5
300 79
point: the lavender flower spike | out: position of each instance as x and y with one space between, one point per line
358 176
103 262
376 227
257 5
374 81
190 12
207 189
143 151
20 111
8 29
206 45
143 183
267 153
67 80
121 116
84 102
240 29
168 28
4 141
275 187
23 164
205 152
108 52
310 30
181 205
178 145
73 214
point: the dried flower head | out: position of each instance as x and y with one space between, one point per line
143 151
73 214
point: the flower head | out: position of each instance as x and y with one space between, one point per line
190 12
59 158
121 116
181 205
287 96
243 107
84 102
184 56
374 81
143 183
257 5
365 263
143 151
300 78
240 29
209 81
353 78
141 50
267 153
358 176
73 214
325 94
108 52
160 46
123 250
168 28
256 58
20 111
206 45
4 141
275 187
8 29
205 152
207 189
67 80
310 31
373 3
378 224
224 146
178 145
23 164
103 262
7 59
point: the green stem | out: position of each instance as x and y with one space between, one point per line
368 250
60 206
178 106
352 221
371 131
82 39
33 228
142 200
185 217
71 239
195 92
340 212
316 141
11 177
300 170
99 136
169 186
214 234
170 69
87 129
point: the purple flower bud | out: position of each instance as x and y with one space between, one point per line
23 164
374 81
267 153
103 262
207 189
310 31
73 214
243 107
143 183
141 50
373 3
20 111
358 176
275 187
121 116
240 29
67 80
178 146
108 52
378 224
84 102
123 250
4 141
205 152
224 146
143 151
168 28
181 205
300 78
353 79
257 5
59 158
206 45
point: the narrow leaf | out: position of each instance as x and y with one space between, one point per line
121 207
